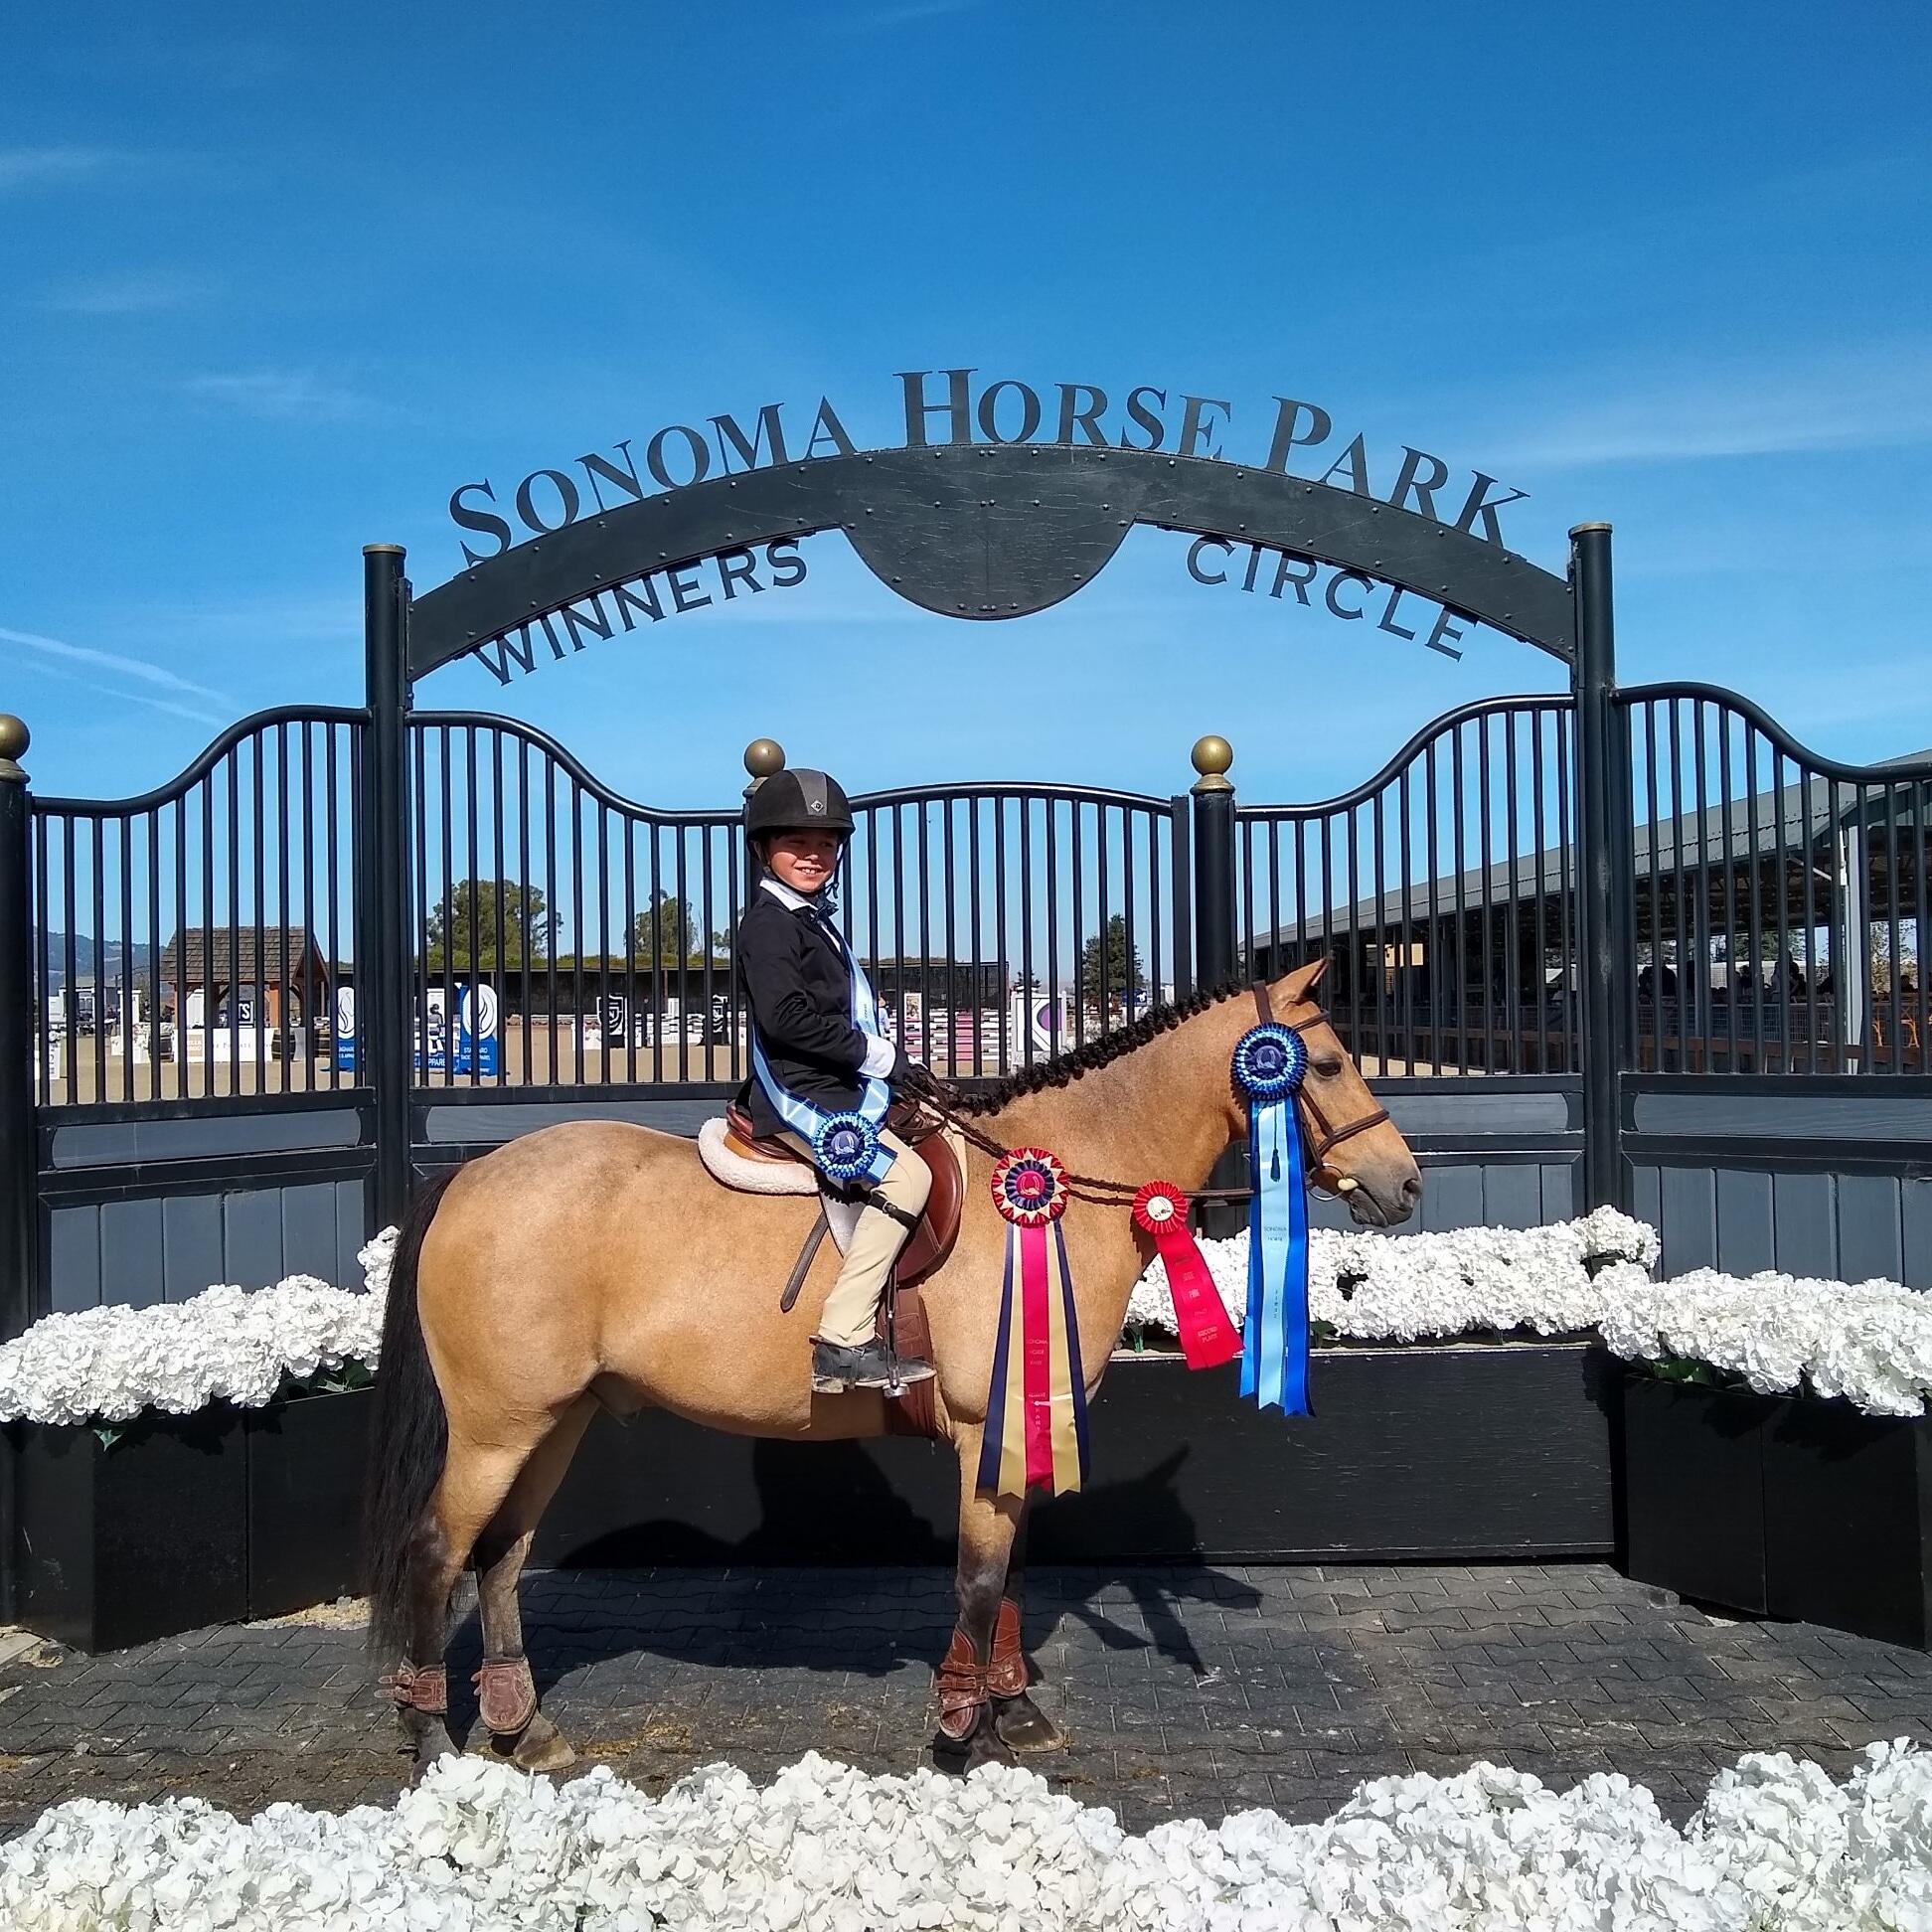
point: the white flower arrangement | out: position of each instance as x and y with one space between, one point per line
227 1344
1871 1343
1416 1287
478 1847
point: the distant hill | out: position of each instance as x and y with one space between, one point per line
115 965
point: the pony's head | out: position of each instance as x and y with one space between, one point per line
1354 1149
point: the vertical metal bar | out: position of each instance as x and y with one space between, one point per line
1131 988
1566 887
632 827
331 885
97 881
973 919
311 942
1432 953
1052 918
1102 912
127 922
1755 942
1404 927
383 886
1729 845
1921 883
602 811
1483 863
1512 914
446 828
657 954
21 1296
283 1029
473 966
1181 863
1537 833
706 912
1602 933
1781 872
1380 886
1156 957
257 746
1459 866
1023 804
498 977
950 924
1000 939
1656 909
154 951
41 893
1679 891
1895 964
1082 991
1706 1011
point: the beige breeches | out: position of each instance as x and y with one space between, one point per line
852 1307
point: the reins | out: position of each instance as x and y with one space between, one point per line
1109 1193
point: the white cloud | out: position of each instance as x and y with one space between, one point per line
1878 396
281 395
140 669
137 293
27 168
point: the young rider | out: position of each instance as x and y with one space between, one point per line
822 1068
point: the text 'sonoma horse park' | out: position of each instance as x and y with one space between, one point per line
1607 947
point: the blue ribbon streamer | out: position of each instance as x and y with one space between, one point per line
1274 1341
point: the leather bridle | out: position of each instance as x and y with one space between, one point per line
1325 1137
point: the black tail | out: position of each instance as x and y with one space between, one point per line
411 1439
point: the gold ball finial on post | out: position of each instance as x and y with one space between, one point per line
14 740
763 759
1211 758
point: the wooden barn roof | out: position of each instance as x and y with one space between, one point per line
220 957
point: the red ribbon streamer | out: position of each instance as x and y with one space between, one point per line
1038 1360
1207 1337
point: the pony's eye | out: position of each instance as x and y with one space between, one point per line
1327 1068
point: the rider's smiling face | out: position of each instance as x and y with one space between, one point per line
804 860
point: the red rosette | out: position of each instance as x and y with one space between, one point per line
1029 1188
1159 1208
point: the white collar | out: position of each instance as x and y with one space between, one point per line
784 894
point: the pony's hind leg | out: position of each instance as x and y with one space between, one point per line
472 1486
509 1723
1018 1722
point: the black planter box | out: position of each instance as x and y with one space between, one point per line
186 1520
1787 1506
114 1546
1694 1490
1415 1452
307 1471
1458 1452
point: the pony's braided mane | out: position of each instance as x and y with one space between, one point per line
1065 1068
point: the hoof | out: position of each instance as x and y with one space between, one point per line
1022 1725
539 1747
433 1741
958 1755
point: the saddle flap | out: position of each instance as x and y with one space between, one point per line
932 1241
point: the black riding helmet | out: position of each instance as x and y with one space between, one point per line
801 800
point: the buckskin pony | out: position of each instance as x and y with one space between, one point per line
598 1263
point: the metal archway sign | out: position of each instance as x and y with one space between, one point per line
974 529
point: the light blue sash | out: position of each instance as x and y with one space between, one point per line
807 1120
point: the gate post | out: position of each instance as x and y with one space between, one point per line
384 960
1217 949
19 1158
1605 953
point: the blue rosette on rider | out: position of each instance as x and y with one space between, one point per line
1269 1063
845 1147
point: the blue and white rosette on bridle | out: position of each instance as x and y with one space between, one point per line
845 1146
1269 1061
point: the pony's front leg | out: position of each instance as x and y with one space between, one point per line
1019 1723
968 1733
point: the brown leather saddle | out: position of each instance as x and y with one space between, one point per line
902 1313
932 1241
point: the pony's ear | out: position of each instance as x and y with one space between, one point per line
1303 981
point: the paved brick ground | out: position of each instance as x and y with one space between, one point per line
1183 1691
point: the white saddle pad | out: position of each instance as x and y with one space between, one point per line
745 1176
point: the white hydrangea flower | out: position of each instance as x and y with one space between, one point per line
477 1846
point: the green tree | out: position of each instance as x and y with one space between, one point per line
470 910
1111 967
667 935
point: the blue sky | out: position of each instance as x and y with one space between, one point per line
279 281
